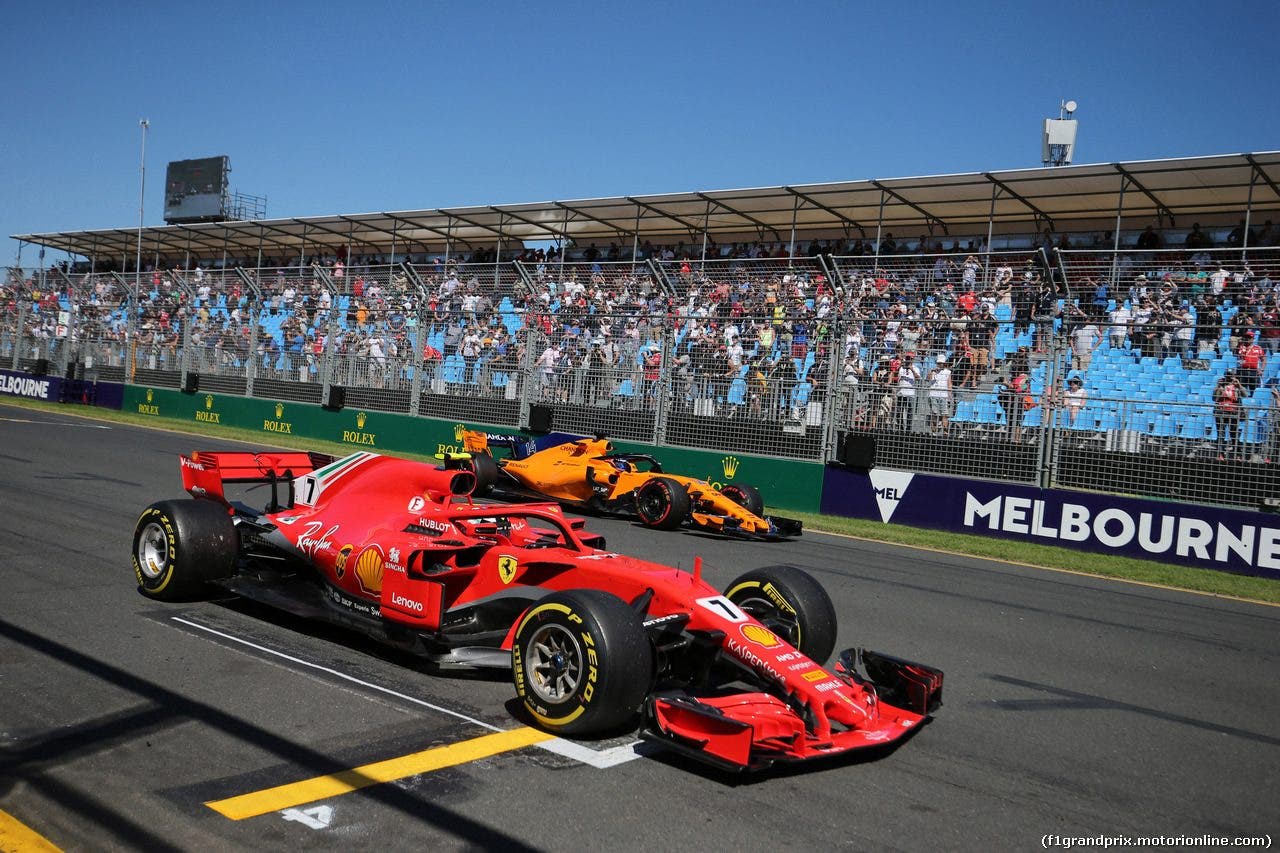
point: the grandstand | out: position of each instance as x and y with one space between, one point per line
765 320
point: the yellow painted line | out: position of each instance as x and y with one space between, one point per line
1077 572
335 784
17 837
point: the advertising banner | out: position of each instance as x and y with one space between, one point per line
1185 534
14 384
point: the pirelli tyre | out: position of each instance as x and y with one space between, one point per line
662 503
747 497
485 467
181 545
791 603
581 662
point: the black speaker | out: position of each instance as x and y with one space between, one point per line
335 398
857 451
190 382
41 367
539 419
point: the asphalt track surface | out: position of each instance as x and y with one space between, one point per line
1074 706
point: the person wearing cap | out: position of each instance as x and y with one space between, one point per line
939 395
908 381
1074 400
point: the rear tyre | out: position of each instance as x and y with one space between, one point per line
581 662
179 546
662 504
790 603
747 497
486 470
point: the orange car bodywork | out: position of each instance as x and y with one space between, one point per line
578 472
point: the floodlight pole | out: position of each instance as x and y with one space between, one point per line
145 124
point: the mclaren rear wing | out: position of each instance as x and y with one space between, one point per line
204 473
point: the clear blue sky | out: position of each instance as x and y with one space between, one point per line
356 107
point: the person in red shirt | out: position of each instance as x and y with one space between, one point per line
1227 396
967 301
1252 362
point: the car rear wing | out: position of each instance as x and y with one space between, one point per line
205 473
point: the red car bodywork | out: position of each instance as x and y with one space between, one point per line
400 543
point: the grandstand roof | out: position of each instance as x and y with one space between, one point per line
1069 198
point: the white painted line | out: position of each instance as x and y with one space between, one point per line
52 423
600 759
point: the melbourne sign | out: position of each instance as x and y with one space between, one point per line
36 387
1187 534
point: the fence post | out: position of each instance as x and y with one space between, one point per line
418 341
663 390
251 361
184 356
529 380
1050 440
24 296
835 392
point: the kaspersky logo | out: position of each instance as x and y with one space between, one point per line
890 486
729 465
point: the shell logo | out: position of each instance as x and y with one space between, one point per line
369 569
361 417
279 410
761 636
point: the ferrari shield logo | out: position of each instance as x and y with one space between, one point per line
507 567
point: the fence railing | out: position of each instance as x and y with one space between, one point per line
1008 366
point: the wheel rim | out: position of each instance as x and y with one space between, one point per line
553 663
771 616
651 503
153 550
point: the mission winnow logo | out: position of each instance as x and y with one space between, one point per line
890 487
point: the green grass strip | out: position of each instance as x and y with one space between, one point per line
1014 551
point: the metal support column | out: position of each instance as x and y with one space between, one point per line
663 392
418 341
791 244
1115 239
879 230
835 393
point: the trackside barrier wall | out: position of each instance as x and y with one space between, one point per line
1185 534
55 389
785 484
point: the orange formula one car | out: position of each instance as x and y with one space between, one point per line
587 473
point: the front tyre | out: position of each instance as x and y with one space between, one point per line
581 662
179 546
485 467
747 497
790 603
662 503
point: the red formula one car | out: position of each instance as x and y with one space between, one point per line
593 640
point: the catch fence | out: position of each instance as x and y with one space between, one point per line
1032 368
